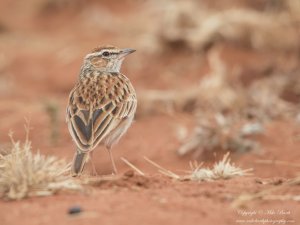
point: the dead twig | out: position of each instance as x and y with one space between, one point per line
163 170
277 162
242 199
132 166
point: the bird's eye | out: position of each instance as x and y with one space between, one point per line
106 53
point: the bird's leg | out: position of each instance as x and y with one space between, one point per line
93 165
112 160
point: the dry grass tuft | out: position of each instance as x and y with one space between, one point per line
228 113
228 116
220 132
243 26
25 174
223 169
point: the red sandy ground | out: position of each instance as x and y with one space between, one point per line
34 45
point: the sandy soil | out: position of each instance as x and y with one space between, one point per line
41 48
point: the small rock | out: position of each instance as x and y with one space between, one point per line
74 210
258 181
129 173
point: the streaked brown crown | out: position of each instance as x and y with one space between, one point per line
100 48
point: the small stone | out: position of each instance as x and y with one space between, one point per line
258 181
74 210
129 173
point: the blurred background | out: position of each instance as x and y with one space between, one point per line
211 77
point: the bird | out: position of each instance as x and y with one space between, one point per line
101 106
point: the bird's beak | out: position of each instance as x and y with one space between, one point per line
126 51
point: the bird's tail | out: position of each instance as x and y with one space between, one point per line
79 162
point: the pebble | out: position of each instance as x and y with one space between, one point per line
74 210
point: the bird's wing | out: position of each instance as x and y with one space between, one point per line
91 117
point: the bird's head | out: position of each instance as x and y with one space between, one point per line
107 58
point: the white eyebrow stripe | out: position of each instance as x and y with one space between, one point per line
93 54
111 51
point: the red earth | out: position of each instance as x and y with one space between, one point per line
41 49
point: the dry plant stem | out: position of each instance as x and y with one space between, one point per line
132 166
283 197
277 162
163 170
195 165
244 198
